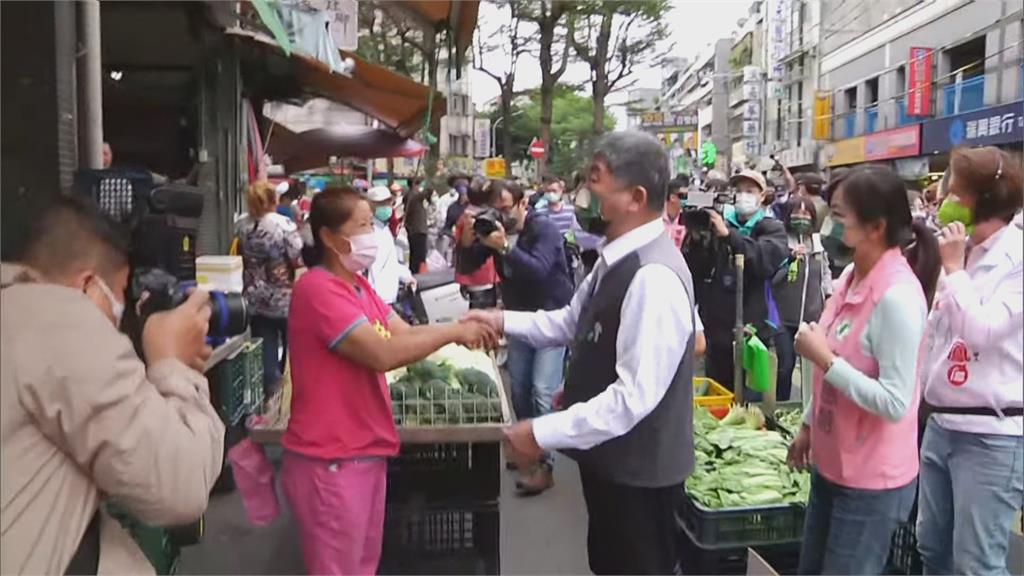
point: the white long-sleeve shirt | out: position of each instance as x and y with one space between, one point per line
387 271
974 355
654 328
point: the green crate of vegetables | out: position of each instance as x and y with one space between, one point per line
431 393
741 492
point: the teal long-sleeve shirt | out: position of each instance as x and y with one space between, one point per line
893 338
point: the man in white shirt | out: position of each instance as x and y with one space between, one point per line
628 394
387 271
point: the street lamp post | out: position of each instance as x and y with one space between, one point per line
494 127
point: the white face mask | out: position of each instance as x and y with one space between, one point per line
747 204
364 252
117 308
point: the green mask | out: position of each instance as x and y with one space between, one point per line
953 210
802 226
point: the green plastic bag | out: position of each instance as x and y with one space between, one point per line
757 362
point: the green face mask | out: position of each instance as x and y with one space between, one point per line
952 210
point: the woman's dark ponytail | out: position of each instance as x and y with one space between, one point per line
923 256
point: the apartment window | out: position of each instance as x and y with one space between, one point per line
779 121
800 111
453 144
901 82
872 91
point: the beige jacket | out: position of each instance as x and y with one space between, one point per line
81 418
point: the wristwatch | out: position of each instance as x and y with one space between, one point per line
505 248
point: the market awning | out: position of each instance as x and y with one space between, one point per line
458 15
313 148
397 101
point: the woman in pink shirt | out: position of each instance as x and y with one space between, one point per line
342 339
860 433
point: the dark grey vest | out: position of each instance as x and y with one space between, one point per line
658 451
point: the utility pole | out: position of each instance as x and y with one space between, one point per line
90 81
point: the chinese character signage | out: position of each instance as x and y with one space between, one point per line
919 93
822 127
683 121
896 143
986 127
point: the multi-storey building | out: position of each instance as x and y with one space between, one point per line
703 87
910 79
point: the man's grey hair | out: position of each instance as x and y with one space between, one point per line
636 159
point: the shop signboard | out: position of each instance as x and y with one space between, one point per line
896 143
849 151
919 94
986 127
494 167
822 116
681 121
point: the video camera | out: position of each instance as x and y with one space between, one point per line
695 215
163 223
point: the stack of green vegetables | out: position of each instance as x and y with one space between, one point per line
429 393
790 418
738 464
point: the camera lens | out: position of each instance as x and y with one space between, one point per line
228 315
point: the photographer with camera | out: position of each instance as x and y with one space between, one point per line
534 271
83 416
474 262
711 242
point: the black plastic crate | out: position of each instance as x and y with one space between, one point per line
742 527
435 472
442 538
696 559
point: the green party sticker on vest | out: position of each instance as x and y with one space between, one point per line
843 329
595 333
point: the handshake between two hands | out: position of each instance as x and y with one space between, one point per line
483 329
480 329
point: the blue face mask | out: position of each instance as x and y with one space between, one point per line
383 213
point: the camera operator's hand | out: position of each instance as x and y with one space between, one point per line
496 240
718 225
180 333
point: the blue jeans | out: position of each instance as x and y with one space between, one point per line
536 376
971 488
848 530
274 332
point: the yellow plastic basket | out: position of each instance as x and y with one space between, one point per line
710 394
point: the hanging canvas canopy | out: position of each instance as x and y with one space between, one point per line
313 148
457 16
397 101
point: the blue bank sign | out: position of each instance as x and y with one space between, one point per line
986 127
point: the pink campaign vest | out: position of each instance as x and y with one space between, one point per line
851 446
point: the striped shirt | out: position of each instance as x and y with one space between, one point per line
564 219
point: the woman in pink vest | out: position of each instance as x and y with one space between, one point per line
860 431
972 468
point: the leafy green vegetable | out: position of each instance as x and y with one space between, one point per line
477 381
738 464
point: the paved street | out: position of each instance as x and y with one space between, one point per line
542 535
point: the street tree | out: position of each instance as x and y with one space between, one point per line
614 37
571 134
553 52
498 58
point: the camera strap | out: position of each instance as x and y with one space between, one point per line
86 559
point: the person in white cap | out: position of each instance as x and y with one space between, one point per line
741 228
387 272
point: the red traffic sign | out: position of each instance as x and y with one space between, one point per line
537 148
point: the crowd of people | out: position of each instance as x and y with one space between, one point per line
609 297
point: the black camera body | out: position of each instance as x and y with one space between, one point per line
486 222
228 314
164 225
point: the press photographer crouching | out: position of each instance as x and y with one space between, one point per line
83 418
735 223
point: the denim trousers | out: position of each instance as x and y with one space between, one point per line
971 488
274 332
536 376
848 530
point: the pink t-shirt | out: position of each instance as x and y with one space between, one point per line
340 409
